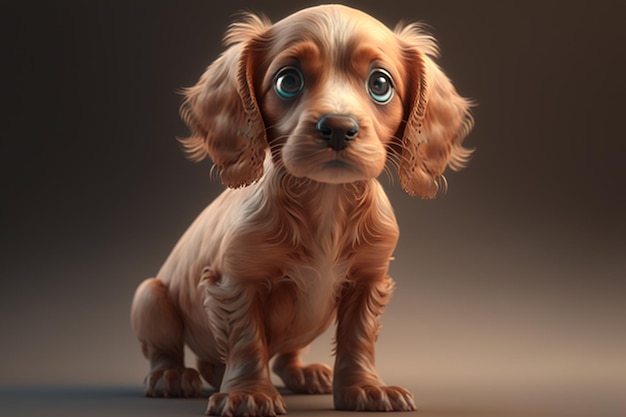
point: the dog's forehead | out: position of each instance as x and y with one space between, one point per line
332 28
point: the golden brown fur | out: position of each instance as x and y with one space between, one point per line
305 233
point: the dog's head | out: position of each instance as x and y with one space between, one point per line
335 95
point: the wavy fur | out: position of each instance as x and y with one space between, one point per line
305 233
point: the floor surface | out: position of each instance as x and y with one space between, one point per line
447 400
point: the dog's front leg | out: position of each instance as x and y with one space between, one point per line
235 315
356 384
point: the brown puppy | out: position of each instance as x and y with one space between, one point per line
300 118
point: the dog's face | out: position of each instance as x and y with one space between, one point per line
331 95
335 95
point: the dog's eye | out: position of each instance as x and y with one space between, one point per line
379 86
288 82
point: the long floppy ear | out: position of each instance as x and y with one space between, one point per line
222 111
437 120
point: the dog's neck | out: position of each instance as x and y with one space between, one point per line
313 208
313 195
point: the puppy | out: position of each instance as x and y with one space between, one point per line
300 118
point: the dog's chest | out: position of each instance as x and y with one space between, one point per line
308 291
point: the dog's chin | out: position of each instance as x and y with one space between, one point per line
333 172
336 172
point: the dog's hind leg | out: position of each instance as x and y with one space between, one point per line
159 328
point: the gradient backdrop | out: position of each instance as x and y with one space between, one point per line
513 283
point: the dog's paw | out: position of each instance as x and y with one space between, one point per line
311 379
178 382
374 398
245 404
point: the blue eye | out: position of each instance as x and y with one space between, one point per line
288 82
380 86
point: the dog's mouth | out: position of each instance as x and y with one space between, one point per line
336 163
340 163
336 169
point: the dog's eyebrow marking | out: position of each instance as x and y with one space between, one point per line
367 52
303 54
362 56
303 50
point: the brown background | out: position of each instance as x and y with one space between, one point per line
511 287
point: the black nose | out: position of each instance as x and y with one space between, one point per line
338 130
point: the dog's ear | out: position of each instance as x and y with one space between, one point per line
222 111
437 119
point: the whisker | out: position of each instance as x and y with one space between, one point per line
215 174
270 127
442 184
388 174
